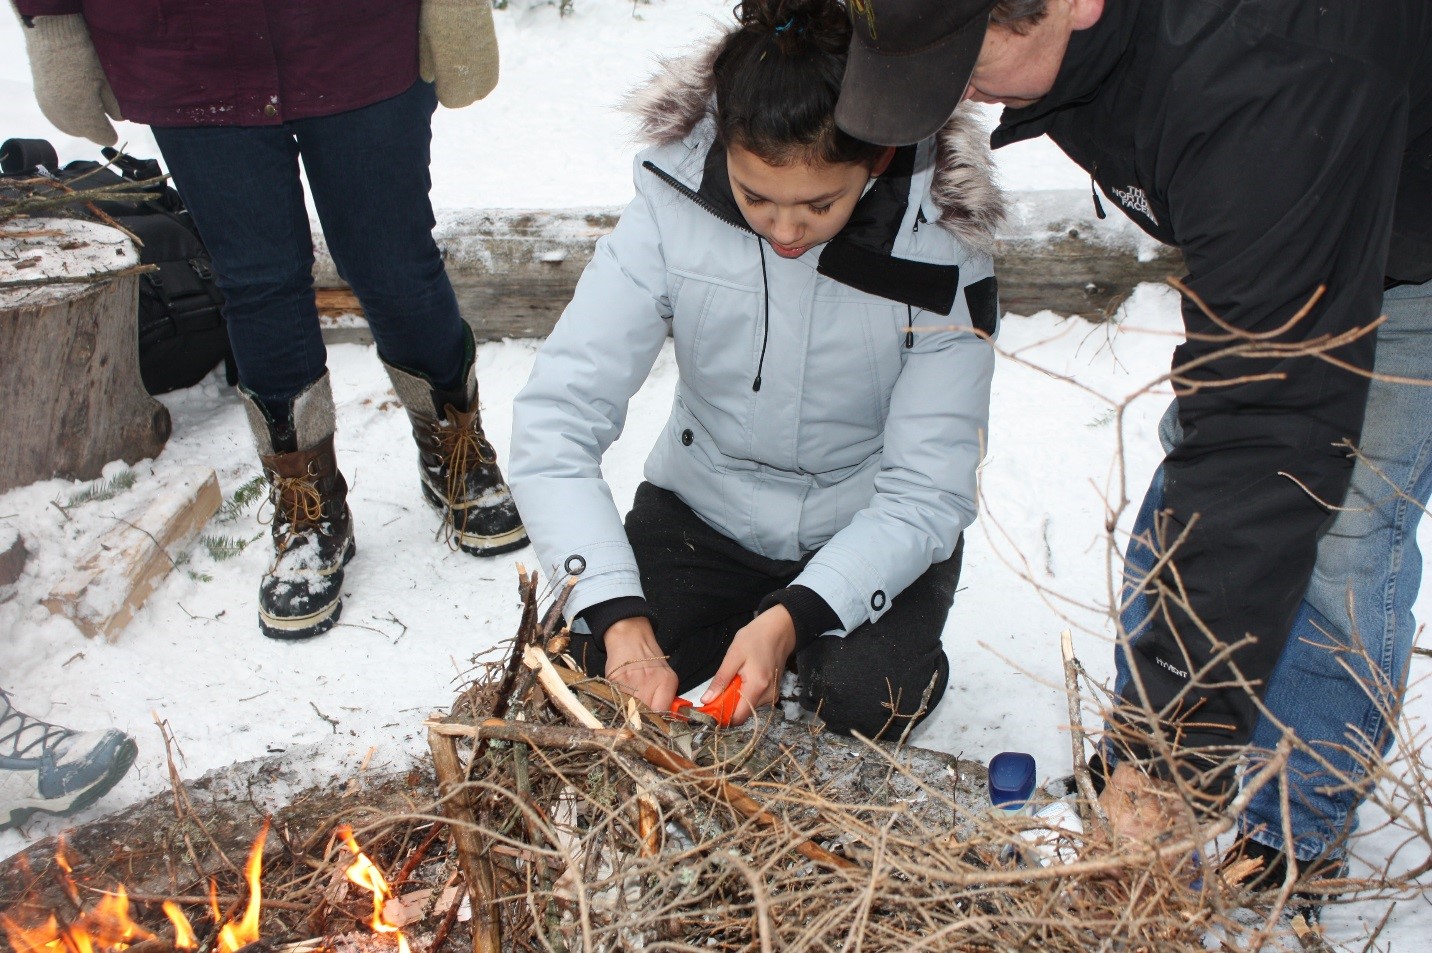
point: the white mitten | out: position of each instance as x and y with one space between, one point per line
457 49
70 86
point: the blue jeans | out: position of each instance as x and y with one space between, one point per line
1358 605
368 172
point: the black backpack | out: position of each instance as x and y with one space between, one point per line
181 323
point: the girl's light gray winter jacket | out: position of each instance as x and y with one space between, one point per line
863 438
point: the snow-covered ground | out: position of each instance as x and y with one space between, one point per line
415 613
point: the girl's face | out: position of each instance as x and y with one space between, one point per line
797 206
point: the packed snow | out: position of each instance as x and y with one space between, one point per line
415 613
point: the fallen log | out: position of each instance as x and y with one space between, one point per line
514 270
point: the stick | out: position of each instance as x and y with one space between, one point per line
619 739
1076 733
86 278
648 812
471 851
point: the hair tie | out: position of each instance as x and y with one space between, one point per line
785 26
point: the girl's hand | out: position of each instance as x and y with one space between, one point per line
758 654
638 664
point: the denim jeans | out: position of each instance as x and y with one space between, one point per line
368 172
1358 605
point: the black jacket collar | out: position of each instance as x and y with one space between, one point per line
860 256
1092 56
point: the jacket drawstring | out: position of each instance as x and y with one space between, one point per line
766 308
909 327
1094 191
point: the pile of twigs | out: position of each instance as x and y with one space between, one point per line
582 824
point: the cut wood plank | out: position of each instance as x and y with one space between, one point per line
106 588
333 302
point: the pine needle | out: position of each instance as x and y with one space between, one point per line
103 489
242 499
226 547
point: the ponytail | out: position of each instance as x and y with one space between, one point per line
778 79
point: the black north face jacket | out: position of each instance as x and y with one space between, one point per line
1282 145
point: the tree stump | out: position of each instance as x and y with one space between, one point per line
71 398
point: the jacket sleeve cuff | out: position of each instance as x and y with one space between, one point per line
601 616
1204 757
47 8
811 614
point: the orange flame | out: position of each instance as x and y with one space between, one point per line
107 926
366 874
184 938
234 935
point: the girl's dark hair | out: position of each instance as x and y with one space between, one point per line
778 78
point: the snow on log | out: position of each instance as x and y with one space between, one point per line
71 398
107 587
514 270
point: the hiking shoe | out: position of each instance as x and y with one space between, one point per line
53 770
458 465
300 595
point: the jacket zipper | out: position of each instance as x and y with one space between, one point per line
701 202
760 245
1094 191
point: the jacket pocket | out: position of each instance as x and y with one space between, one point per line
148 22
851 369
717 326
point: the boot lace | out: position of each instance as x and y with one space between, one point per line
22 736
463 448
297 507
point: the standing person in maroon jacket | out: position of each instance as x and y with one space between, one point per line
236 94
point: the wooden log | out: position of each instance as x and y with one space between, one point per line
71 398
471 847
106 588
515 270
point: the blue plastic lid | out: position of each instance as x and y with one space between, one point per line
1011 779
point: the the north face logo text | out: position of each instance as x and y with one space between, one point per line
1134 199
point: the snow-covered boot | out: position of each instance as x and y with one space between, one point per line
457 464
47 768
301 594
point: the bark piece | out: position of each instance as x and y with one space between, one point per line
12 558
107 587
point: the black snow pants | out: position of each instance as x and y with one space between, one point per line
703 587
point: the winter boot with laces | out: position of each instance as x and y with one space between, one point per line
47 768
301 594
457 464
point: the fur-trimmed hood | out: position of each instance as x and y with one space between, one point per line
675 100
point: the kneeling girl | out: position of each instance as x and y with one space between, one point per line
830 303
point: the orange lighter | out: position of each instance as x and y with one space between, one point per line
721 709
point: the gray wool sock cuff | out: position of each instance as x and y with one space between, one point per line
416 392
313 416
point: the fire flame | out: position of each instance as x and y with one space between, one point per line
234 935
107 927
184 938
366 874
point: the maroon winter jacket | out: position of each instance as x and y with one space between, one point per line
247 62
